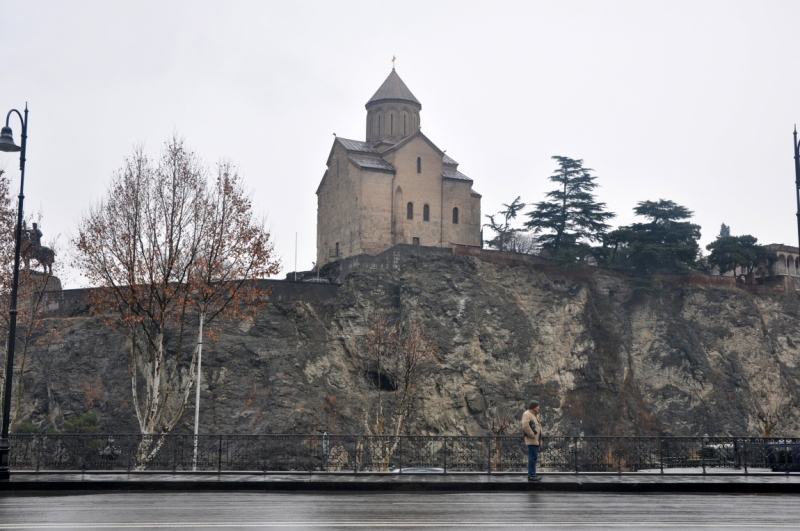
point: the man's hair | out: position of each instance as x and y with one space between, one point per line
532 404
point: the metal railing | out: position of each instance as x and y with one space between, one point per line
355 454
783 270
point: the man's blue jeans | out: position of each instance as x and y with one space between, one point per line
533 456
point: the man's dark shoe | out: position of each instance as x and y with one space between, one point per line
534 478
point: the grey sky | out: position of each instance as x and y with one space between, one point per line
688 101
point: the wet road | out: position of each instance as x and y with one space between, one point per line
398 511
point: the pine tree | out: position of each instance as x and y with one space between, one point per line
570 216
505 235
665 243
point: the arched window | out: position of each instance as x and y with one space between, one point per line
410 211
455 215
426 213
379 124
419 165
404 125
391 124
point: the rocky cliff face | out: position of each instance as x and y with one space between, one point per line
687 359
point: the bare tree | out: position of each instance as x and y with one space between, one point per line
500 420
771 404
164 248
394 358
31 300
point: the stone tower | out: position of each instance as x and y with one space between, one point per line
392 113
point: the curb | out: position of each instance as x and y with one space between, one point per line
410 486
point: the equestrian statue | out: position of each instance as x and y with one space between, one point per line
32 248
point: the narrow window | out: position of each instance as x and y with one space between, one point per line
404 125
410 211
337 249
455 215
426 213
415 240
391 124
379 124
419 165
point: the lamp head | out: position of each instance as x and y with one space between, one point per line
7 140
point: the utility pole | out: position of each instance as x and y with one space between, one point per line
797 181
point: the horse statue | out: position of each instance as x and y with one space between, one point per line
32 248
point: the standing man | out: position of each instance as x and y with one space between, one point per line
533 437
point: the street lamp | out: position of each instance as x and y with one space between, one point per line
7 144
797 180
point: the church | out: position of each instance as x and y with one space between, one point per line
397 187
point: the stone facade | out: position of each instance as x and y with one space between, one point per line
398 187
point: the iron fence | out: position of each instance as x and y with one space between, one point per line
354 454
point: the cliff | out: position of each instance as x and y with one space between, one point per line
684 358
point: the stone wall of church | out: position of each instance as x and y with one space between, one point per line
420 189
376 211
337 204
458 194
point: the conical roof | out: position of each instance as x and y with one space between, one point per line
393 89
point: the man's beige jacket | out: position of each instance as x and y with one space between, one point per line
531 438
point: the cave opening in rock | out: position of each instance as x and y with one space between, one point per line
381 381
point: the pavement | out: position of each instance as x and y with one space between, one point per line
395 511
674 480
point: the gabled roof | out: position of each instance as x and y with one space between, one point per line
371 163
357 145
448 160
352 146
393 89
408 139
322 181
450 173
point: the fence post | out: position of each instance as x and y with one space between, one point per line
489 455
130 456
400 451
703 454
219 457
575 452
39 454
445 454
661 454
84 453
786 455
744 450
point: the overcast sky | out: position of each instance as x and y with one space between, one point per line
689 101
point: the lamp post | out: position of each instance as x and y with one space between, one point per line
7 144
797 181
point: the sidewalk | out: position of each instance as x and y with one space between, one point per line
677 480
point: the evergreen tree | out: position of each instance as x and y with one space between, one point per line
725 230
665 243
504 239
570 216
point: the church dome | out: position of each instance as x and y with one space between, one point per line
392 112
393 89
